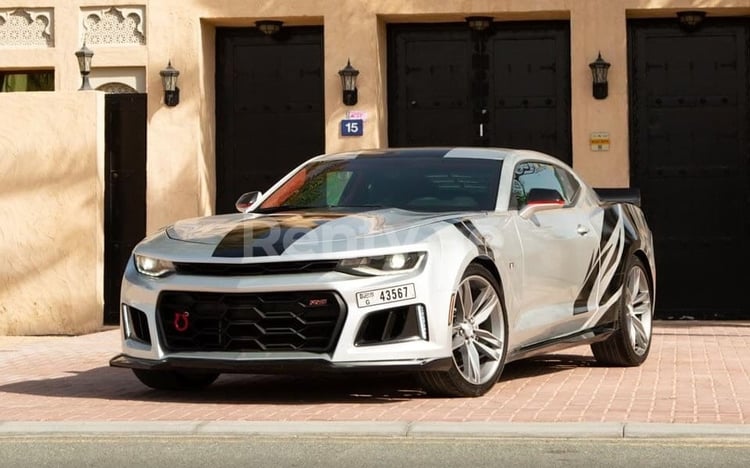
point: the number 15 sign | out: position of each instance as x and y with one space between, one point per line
352 127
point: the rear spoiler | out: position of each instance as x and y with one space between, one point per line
619 195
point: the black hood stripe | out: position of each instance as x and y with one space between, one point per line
270 235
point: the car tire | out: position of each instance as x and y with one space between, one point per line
479 338
175 380
629 345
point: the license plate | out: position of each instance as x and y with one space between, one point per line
386 295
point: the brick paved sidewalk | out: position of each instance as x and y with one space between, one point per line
698 372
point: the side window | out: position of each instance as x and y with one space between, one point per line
569 184
531 175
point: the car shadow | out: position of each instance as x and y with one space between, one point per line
545 365
108 383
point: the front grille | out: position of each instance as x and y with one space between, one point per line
289 321
233 269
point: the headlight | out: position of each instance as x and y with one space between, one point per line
383 264
153 266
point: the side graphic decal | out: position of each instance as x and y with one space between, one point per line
471 232
596 294
581 305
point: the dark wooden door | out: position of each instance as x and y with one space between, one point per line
124 191
690 158
529 103
430 86
269 114
507 87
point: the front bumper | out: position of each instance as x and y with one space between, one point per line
352 349
277 366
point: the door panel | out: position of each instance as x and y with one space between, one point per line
269 107
555 264
124 191
689 142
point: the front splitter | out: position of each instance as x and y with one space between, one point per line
278 366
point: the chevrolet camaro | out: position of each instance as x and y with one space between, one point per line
446 263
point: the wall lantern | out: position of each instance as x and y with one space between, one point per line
479 23
84 55
269 27
348 76
599 69
169 83
690 20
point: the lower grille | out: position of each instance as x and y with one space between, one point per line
138 325
291 321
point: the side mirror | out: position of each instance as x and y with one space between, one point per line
541 200
247 200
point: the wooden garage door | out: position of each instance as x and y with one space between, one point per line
690 158
508 87
269 107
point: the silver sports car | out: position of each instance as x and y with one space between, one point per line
445 262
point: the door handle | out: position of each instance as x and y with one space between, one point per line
582 230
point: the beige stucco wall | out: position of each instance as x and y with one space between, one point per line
52 284
51 195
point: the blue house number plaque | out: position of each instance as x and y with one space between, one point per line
352 127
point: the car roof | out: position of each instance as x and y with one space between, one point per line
439 152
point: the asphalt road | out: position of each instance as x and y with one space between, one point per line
362 452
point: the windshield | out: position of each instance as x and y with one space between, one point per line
417 184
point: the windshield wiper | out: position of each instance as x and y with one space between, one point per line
375 206
279 209
283 208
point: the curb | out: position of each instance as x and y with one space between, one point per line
377 429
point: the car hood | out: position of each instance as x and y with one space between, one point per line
306 232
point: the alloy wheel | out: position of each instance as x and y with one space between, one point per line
478 330
638 310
